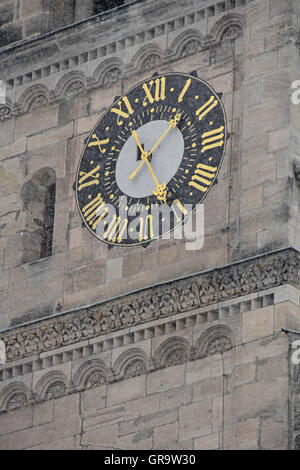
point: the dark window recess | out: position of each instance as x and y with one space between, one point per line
139 154
104 5
47 236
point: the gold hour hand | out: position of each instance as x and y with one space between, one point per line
134 133
160 191
145 159
135 171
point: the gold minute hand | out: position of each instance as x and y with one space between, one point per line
173 123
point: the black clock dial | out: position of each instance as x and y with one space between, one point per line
152 157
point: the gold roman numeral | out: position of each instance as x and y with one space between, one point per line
203 174
85 176
184 90
159 91
177 205
120 113
207 107
212 139
115 229
98 143
94 211
146 228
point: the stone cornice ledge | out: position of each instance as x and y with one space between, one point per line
152 303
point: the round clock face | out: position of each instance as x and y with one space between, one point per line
152 157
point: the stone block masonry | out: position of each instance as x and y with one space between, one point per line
54 105
143 351
179 383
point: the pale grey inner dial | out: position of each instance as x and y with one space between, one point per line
165 161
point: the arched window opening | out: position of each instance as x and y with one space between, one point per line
47 235
38 196
104 5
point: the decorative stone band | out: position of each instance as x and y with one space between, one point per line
95 372
155 303
191 17
108 62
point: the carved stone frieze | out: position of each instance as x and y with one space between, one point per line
90 374
192 47
232 32
55 390
150 62
222 284
131 363
214 340
135 368
18 400
172 352
5 112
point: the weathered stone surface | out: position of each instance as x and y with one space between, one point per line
102 418
114 269
93 399
273 435
144 406
222 413
208 388
262 168
261 64
36 122
16 420
50 137
191 427
258 324
252 198
166 379
21 439
128 390
43 413
143 423
247 433
207 442
272 367
275 84
278 8
67 443
142 440
253 95
266 117
164 435
198 370
175 397
278 139
244 374
259 398
106 437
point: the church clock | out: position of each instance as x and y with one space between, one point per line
153 155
